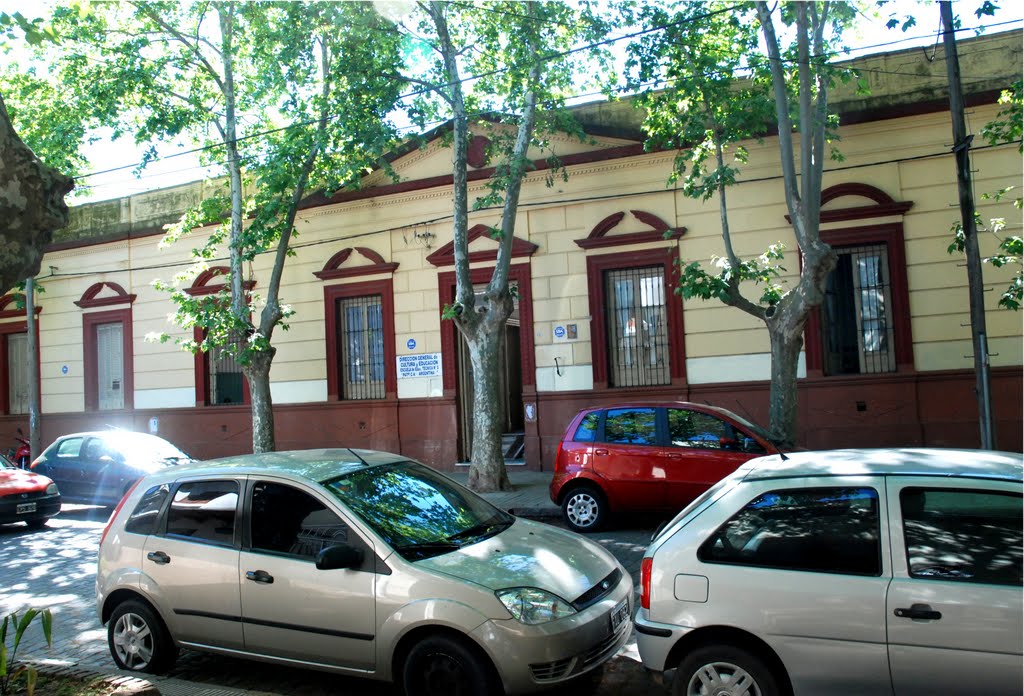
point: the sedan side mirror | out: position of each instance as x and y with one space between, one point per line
337 557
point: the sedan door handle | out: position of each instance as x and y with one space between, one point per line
919 611
600 451
260 576
158 557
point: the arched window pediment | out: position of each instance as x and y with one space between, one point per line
659 232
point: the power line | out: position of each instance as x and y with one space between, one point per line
551 56
536 204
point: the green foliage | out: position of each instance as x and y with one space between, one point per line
10 671
696 282
290 97
1006 128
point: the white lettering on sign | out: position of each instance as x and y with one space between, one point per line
420 365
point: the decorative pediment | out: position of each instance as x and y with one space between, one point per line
91 297
660 231
202 285
882 204
333 268
445 256
9 306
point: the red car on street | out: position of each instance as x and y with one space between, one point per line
26 497
647 456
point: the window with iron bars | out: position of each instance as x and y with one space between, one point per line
638 341
225 374
361 347
857 326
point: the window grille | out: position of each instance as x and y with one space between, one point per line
361 341
859 331
637 321
110 367
225 374
17 372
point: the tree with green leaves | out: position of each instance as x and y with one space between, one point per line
725 74
505 68
55 130
31 192
287 98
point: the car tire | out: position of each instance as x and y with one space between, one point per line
139 640
37 524
584 509
445 666
724 669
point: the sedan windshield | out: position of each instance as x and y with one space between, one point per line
419 512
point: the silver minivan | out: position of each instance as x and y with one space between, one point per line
358 562
889 571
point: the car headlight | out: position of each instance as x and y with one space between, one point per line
52 489
533 606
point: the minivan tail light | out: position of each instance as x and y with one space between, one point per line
645 582
120 505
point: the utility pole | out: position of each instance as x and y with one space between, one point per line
34 436
961 148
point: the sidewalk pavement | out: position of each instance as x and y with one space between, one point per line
528 497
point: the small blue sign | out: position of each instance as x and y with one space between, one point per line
63 369
559 332
411 344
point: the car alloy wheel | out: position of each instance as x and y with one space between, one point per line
138 640
584 509
722 670
444 666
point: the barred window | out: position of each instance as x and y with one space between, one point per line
225 375
360 326
856 314
638 344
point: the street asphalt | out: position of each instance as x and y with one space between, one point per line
56 568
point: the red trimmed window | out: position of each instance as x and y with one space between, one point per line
107 348
359 319
637 320
14 358
219 378
863 324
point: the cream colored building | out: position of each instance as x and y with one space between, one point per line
368 360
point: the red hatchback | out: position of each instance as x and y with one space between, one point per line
647 456
26 497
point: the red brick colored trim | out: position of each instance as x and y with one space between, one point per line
667 258
89 297
332 293
476 153
90 368
12 327
660 231
445 256
15 299
891 234
521 274
201 365
201 287
332 269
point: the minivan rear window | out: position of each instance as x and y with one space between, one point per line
586 431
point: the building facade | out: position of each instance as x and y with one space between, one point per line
368 360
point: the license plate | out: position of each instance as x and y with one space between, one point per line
25 508
620 614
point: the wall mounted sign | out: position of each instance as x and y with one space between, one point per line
423 365
411 344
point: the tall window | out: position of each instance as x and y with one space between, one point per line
361 341
108 362
224 376
110 365
857 313
637 327
17 372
